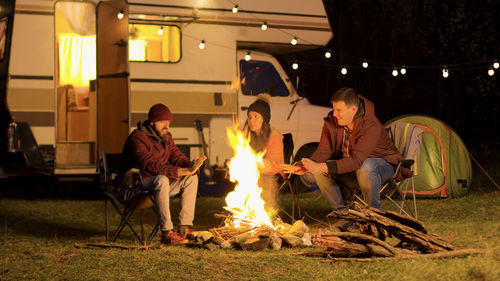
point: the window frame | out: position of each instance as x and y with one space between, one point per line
168 25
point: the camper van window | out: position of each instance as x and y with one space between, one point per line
3 37
154 43
261 77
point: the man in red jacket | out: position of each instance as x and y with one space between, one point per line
354 149
164 170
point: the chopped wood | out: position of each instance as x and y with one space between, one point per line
111 245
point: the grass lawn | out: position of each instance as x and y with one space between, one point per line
37 240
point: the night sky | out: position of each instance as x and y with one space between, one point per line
424 36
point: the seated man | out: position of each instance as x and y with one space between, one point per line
164 170
354 148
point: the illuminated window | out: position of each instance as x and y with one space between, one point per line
77 62
147 43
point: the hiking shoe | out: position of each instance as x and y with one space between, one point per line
172 238
185 230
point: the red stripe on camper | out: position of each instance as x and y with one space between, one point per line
442 188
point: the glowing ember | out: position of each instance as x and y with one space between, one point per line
245 202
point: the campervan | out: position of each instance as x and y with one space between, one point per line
82 74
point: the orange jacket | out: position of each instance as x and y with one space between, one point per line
274 154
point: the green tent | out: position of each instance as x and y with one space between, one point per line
442 165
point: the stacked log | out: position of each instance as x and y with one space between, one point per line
375 227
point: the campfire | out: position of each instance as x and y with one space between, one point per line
249 225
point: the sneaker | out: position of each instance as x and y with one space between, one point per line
185 230
172 238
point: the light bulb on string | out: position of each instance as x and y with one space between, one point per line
343 71
235 9
248 57
394 72
402 70
295 66
160 31
365 64
495 65
445 72
294 41
264 26
120 15
491 72
328 54
202 44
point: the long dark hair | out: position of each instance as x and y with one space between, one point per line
258 142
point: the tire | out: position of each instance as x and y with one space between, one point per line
304 152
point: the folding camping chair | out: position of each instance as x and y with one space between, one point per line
407 139
288 152
110 169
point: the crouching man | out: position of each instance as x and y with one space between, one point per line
354 150
164 170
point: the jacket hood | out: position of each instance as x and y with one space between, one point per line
148 130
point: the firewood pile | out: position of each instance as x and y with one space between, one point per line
247 237
382 235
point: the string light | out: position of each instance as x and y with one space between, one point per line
160 31
120 15
343 71
402 70
491 72
202 44
248 57
365 64
235 9
328 54
294 41
264 26
495 65
445 72
395 72
295 66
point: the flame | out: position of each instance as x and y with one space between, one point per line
245 202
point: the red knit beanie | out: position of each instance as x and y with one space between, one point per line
159 112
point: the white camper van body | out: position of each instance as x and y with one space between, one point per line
205 84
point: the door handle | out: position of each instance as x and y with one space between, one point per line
244 107
124 120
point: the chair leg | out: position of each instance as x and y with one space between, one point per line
125 222
106 220
414 197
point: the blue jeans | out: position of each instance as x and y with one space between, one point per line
163 189
369 178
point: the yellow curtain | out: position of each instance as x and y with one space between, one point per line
77 60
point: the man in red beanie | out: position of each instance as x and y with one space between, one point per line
164 170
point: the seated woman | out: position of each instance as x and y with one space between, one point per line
263 137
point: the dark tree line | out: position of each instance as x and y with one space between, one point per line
425 33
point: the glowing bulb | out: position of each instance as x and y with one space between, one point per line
202 44
294 41
395 72
445 73
295 66
120 15
365 64
248 57
328 54
491 72
264 26
160 31
235 9
343 71
495 65
402 70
